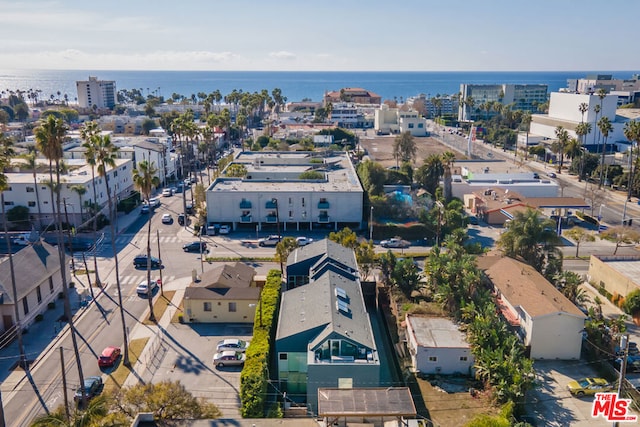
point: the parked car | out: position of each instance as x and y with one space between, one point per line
194 247
633 363
303 241
109 356
234 344
228 358
224 229
21 240
141 261
181 219
144 289
92 387
552 175
189 207
394 243
588 386
167 192
145 209
272 240
154 202
167 218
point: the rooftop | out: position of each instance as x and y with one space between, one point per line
437 332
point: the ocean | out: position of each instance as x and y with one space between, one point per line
295 85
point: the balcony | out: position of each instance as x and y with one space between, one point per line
245 218
271 219
323 204
270 204
323 218
245 204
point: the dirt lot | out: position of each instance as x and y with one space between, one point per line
453 409
380 149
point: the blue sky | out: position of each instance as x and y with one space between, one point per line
340 35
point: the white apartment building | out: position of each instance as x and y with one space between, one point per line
564 111
101 93
525 97
394 120
273 192
22 189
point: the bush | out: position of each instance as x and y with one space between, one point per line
632 302
51 305
60 295
39 317
130 203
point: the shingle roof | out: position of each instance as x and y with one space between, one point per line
225 282
324 247
523 286
32 266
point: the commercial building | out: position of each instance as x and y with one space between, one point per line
618 274
298 190
352 94
525 97
94 93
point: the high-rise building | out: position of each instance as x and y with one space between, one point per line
480 101
101 93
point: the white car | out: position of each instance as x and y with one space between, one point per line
228 358
167 192
143 289
224 229
167 219
154 202
272 240
303 241
22 240
232 344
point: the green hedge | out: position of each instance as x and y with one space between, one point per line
254 377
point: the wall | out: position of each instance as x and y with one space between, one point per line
556 336
194 311
600 273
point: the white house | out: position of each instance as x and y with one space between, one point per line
437 346
549 325
272 192
394 120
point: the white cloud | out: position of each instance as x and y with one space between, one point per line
282 54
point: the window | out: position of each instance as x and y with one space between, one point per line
463 358
290 214
433 359
25 305
410 125
207 306
420 125
232 307
8 203
32 204
39 294
303 202
282 356
30 189
50 284
290 201
115 173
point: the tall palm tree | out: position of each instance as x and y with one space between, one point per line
49 138
447 161
89 132
30 157
563 138
632 133
106 153
596 109
80 190
526 124
573 148
145 179
583 108
605 126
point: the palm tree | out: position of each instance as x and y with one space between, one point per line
632 133
447 161
145 179
80 190
89 132
105 154
605 126
30 158
563 138
596 109
49 138
526 123
583 108
428 175
573 148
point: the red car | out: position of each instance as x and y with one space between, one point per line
109 356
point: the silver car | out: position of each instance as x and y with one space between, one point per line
228 358
233 344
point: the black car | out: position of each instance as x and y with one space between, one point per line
141 262
189 207
181 219
194 247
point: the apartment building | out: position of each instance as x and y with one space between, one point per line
523 97
98 93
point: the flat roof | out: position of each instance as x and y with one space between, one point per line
79 172
627 265
365 402
437 332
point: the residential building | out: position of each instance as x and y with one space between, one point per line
22 190
525 97
272 192
526 184
324 336
225 294
98 93
627 90
38 282
437 346
618 274
394 120
346 115
436 106
549 325
352 94
564 110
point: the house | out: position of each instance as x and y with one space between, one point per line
437 346
273 192
549 325
304 263
616 273
225 294
38 282
324 336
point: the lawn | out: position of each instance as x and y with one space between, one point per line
117 378
160 306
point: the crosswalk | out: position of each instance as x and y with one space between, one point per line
123 240
137 278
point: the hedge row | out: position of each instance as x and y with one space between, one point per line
254 377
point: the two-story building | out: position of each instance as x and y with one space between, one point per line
299 190
394 120
324 336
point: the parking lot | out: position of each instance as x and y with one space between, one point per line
184 352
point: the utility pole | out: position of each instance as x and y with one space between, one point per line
275 202
64 386
160 257
624 345
371 224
